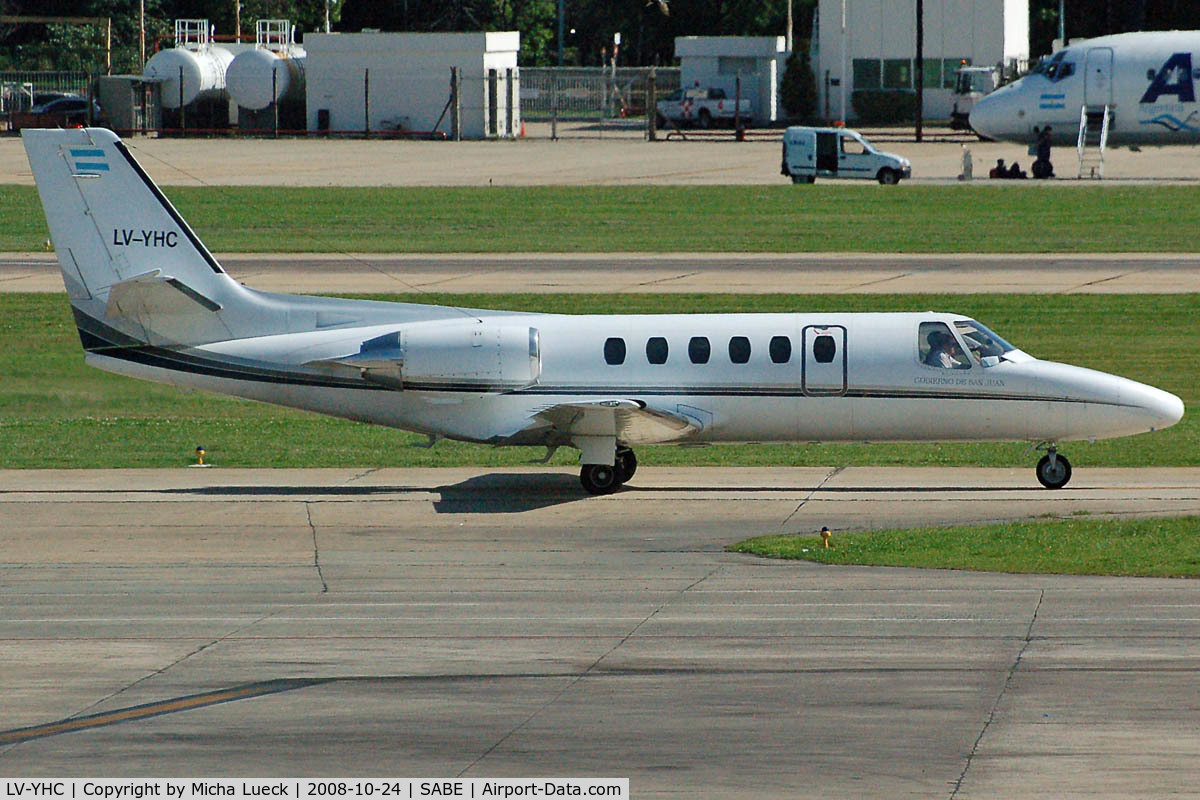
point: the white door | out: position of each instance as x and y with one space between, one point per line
824 367
1097 82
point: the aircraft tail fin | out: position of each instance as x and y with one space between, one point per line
128 258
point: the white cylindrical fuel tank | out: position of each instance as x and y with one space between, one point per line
203 73
249 77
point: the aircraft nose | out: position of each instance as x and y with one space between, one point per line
985 117
1162 408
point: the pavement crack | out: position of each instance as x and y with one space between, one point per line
819 486
667 279
587 671
1012 671
898 276
316 548
1099 281
360 476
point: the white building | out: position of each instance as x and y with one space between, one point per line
718 60
402 80
871 44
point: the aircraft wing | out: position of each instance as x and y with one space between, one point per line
630 421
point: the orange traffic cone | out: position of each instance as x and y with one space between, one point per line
522 129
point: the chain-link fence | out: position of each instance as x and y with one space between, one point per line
21 90
595 95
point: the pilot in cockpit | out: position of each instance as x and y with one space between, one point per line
944 352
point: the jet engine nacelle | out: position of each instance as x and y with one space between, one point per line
460 355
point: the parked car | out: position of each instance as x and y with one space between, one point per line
702 107
809 153
60 112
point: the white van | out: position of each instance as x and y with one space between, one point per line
809 153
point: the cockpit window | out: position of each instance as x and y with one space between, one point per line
981 341
938 347
1055 68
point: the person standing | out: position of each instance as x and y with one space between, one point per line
1042 168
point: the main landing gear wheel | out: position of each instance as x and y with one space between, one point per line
626 464
599 478
1053 471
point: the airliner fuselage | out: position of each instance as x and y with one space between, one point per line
1147 80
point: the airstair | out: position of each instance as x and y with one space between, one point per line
1093 139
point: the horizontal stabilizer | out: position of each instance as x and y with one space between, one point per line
154 294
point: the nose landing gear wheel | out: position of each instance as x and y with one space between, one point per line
1053 471
599 478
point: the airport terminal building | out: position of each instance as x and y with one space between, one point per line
870 45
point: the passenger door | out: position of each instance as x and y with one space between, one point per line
827 152
1097 82
823 370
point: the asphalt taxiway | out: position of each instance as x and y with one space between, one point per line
799 273
500 623
592 156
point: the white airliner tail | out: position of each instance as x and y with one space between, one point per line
110 223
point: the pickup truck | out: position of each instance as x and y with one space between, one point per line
701 107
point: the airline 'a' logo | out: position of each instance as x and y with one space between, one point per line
1175 78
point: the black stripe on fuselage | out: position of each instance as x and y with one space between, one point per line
170 209
103 340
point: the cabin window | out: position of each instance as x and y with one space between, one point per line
656 350
780 349
699 350
739 349
938 347
614 351
824 349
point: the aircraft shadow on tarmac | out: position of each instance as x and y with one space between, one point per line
516 492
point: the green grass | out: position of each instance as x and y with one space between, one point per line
55 412
1133 547
783 218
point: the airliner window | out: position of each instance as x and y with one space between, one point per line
699 350
824 349
1059 70
938 347
780 349
981 341
656 350
1049 66
739 349
614 351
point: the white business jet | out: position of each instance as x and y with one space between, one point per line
1145 80
151 302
